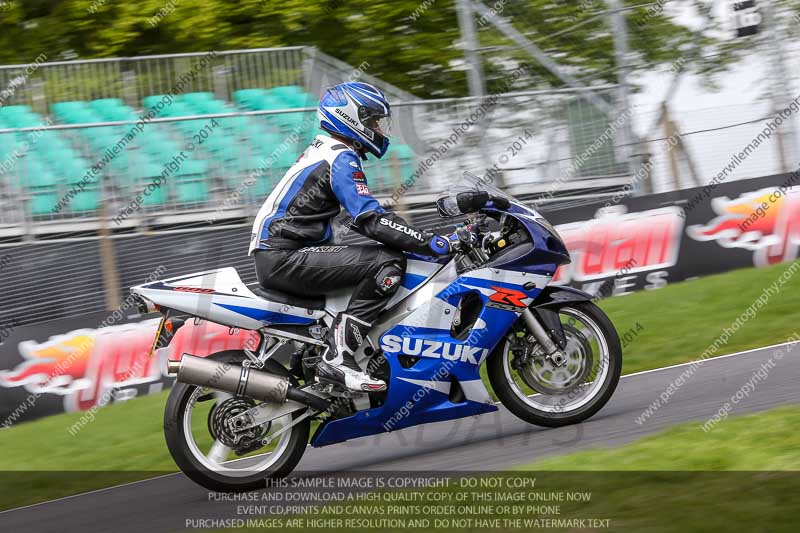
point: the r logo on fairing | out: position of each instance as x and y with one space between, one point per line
434 349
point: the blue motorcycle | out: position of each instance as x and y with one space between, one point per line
237 418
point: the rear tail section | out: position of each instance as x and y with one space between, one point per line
222 297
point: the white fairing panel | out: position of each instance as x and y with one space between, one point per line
416 270
221 296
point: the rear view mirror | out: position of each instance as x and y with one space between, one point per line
472 201
468 202
447 207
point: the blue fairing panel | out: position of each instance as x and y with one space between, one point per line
267 317
412 281
428 259
441 361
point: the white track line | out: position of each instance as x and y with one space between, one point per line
703 361
176 473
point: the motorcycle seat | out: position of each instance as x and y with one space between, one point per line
316 303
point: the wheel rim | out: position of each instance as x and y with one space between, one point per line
217 458
563 389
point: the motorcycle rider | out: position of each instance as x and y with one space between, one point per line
292 231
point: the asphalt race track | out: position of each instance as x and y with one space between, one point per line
490 442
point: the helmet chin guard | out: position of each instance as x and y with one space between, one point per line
359 112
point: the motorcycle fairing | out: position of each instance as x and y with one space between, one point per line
418 271
547 251
220 296
444 383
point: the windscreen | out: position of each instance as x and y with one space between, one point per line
470 182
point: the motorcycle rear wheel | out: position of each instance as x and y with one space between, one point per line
215 470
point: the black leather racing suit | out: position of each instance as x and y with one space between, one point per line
292 233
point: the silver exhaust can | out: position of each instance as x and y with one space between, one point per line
228 377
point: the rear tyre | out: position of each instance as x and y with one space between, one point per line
592 341
214 471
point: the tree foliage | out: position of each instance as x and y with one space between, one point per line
417 49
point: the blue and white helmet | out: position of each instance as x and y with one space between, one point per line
359 112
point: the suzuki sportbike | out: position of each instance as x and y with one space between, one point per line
237 418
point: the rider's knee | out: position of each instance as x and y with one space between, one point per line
391 268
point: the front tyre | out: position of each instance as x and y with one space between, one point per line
194 427
535 389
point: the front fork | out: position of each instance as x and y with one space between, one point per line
553 349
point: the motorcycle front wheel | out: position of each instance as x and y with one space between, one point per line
201 443
552 394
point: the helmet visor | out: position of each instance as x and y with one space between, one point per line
380 124
383 125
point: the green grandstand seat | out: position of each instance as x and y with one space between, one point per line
177 109
193 167
216 142
13 110
157 143
288 122
271 102
292 95
196 98
164 155
212 107
146 171
144 175
8 143
192 127
105 103
248 162
256 131
153 100
72 171
101 138
58 157
65 110
50 140
23 120
262 185
232 152
157 197
35 174
236 125
87 200
249 98
84 116
268 143
115 114
42 202
122 163
191 191
403 153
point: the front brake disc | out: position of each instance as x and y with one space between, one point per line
541 375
